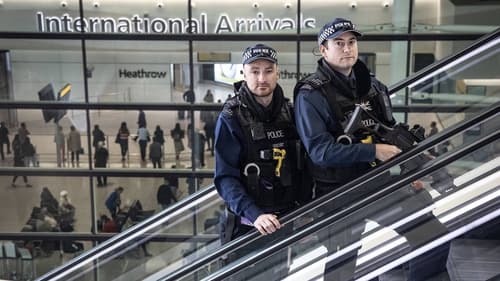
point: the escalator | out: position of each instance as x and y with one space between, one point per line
197 254
364 240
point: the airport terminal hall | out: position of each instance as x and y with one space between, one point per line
158 139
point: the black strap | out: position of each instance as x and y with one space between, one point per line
253 184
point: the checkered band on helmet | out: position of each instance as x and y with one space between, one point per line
336 28
259 51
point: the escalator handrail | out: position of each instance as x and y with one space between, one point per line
328 220
349 187
439 64
100 237
126 236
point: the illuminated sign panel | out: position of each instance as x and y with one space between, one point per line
214 57
158 25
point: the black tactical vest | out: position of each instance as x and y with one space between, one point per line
373 99
267 144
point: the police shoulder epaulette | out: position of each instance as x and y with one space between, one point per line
316 82
308 83
312 82
306 87
230 105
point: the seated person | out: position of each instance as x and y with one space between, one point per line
66 208
66 218
43 221
48 201
47 222
35 215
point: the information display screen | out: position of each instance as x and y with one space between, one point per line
47 94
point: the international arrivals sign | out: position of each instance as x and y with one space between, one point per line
158 25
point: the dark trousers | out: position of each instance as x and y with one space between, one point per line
124 149
102 180
156 162
1 148
142 146
75 154
385 212
181 114
25 178
112 212
210 143
200 155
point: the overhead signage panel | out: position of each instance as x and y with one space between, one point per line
224 23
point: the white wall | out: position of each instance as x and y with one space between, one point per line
32 70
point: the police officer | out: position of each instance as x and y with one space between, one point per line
341 82
255 149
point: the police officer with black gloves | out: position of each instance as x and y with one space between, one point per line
324 102
255 149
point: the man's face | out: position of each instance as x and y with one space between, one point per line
261 77
341 52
